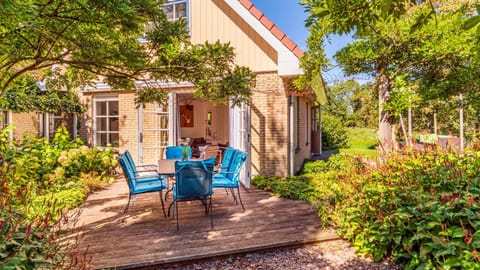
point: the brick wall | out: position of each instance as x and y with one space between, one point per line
25 123
85 131
128 128
269 126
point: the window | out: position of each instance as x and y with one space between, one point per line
106 132
58 120
307 132
176 9
316 118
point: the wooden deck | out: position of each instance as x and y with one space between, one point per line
146 239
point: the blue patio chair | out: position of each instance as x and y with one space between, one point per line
139 170
176 152
229 178
227 159
193 181
141 184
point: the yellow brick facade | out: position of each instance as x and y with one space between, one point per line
269 126
25 123
128 115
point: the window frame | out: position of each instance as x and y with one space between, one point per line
176 2
316 118
107 116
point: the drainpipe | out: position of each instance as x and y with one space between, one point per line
75 123
10 122
292 136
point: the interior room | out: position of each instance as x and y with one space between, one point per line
202 122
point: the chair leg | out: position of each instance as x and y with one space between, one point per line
163 205
205 204
168 191
126 207
170 207
234 197
176 213
210 210
240 198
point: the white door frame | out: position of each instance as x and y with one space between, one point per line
239 137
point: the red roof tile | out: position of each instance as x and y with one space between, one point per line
298 52
277 32
292 46
266 22
246 3
256 12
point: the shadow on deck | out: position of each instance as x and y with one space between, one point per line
146 239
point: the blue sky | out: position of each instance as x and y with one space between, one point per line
290 17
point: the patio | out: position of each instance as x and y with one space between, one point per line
146 239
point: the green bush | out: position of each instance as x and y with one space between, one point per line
334 134
39 182
419 209
27 243
46 168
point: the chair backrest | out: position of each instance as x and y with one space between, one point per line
127 170
227 159
176 152
237 162
193 178
130 162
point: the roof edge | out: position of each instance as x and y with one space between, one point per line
267 23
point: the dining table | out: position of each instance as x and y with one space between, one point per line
166 167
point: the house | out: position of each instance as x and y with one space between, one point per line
275 129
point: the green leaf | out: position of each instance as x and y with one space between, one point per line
456 232
471 22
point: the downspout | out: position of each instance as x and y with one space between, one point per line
140 133
10 122
292 136
75 123
320 128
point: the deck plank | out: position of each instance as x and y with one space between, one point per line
147 239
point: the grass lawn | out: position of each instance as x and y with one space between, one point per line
363 142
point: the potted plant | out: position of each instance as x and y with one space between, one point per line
185 153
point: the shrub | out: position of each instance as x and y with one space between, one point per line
419 209
334 134
39 182
31 243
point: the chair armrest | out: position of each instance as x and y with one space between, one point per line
147 177
148 167
227 172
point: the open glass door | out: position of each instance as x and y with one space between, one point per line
240 137
154 132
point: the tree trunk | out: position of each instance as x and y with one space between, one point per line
461 123
410 125
384 126
407 140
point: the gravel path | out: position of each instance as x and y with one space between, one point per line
329 255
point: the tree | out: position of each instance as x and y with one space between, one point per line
392 39
85 40
365 107
352 104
